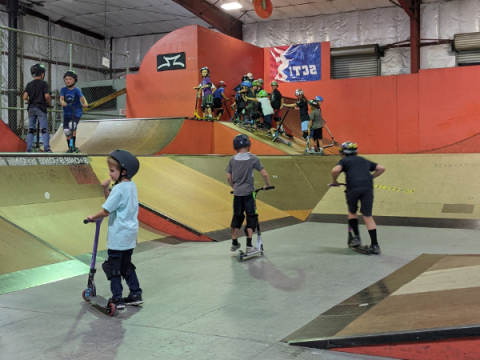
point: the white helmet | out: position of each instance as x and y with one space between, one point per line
250 75
298 92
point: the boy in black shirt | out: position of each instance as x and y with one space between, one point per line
359 179
38 98
276 100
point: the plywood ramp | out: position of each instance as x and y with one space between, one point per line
419 186
185 195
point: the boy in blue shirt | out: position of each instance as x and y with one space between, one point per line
121 206
72 100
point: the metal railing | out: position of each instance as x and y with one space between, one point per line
97 77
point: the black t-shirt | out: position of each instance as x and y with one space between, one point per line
250 94
357 171
36 90
303 106
276 99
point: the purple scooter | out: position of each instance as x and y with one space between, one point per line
90 293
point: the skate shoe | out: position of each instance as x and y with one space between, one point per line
48 151
235 247
304 137
250 250
275 137
119 303
133 300
77 150
375 249
69 151
355 242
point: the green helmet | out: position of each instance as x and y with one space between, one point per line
262 94
348 148
274 83
255 83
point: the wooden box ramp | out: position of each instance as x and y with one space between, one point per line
199 203
428 309
434 190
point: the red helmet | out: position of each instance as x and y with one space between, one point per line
222 83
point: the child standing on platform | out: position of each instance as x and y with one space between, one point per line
38 97
315 125
207 96
218 97
276 100
121 206
240 177
72 101
302 105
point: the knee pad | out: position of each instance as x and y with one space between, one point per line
111 267
237 221
72 125
252 222
127 268
44 131
31 131
67 132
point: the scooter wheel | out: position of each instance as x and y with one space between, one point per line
112 309
84 297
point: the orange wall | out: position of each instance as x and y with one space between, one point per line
10 142
170 93
435 109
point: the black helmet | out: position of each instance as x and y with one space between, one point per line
72 74
241 140
205 68
37 70
127 161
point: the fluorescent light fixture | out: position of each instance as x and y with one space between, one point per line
231 6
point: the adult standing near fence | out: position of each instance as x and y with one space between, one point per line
38 97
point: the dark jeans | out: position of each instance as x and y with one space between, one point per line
116 281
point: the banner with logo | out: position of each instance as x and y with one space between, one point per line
295 63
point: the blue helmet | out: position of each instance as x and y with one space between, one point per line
318 98
246 83
241 140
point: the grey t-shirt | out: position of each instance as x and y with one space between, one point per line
316 116
241 168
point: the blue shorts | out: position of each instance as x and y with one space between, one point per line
305 125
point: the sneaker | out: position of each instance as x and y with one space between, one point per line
305 137
48 151
311 151
375 249
119 303
355 242
133 300
251 249
275 137
77 150
69 151
235 247
269 134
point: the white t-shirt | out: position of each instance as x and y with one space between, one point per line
266 106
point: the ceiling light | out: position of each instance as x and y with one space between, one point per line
231 6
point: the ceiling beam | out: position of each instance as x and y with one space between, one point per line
412 8
29 11
214 16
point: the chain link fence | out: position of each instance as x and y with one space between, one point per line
97 78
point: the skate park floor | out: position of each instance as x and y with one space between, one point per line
201 303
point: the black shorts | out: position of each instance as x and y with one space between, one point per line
68 120
365 196
317 134
217 103
243 205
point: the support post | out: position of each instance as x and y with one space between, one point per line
412 8
12 9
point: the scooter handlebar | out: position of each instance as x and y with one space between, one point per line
335 185
260 189
86 221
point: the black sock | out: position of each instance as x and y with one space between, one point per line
373 236
74 138
249 242
353 223
234 242
305 134
68 143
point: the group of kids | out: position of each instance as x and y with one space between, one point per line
121 206
38 97
252 104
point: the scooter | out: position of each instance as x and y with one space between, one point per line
90 293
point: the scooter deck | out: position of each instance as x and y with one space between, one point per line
279 139
248 128
102 304
365 250
243 256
